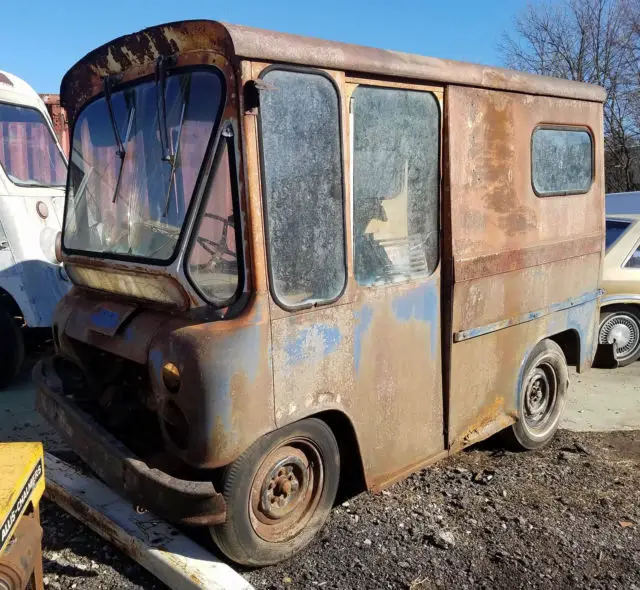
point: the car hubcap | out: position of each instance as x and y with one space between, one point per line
623 331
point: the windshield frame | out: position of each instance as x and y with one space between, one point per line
53 137
201 179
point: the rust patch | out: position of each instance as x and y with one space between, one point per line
489 421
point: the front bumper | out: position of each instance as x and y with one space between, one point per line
193 503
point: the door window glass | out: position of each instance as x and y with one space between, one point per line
395 184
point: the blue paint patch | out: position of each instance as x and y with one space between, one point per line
363 319
422 304
129 334
105 319
156 362
298 350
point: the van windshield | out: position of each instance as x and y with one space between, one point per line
29 154
135 162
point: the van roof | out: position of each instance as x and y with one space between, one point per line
250 43
17 91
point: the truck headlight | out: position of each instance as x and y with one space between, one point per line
48 244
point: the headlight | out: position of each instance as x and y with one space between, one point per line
58 246
48 239
140 286
171 377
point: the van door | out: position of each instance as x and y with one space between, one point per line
395 155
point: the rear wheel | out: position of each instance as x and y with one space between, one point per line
279 493
620 326
541 397
11 348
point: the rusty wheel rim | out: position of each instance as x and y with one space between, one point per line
540 398
286 490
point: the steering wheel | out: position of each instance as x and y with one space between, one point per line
217 249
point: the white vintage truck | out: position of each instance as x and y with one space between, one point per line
33 173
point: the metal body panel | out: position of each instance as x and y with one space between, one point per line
487 371
397 362
513 253
31 274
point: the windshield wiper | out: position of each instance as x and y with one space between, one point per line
121 152
169 150
173 159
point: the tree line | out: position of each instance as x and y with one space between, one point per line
595 41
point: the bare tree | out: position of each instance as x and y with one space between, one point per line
595 41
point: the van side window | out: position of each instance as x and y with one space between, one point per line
634 260
29 154
561 161
396 146
303 187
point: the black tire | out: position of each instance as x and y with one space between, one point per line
260 530
541 398
624 319
11 348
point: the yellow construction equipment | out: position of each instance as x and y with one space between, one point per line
21 487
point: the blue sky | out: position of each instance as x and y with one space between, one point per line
41 40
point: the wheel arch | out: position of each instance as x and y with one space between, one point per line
570 342
352 473
8 303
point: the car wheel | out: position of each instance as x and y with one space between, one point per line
620 326
541 398
11 348
279 493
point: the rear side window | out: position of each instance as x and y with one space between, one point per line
561 161
614 230
303 188
634 260
396 143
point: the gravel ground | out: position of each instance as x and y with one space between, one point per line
567 516
76 558
564 517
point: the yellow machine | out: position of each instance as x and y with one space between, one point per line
21 487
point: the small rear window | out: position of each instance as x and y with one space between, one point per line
615 229
561 161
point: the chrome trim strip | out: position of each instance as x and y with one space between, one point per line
620 298
527 317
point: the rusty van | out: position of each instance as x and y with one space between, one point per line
303 267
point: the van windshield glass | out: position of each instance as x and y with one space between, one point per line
29 153
133 170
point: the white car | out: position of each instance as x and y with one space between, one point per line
33 174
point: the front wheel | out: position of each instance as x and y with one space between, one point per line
620 326
11 348
279 493
541 398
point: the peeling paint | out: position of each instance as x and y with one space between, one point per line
362 319
309 343
422 304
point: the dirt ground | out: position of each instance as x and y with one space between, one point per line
567 516
564 517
